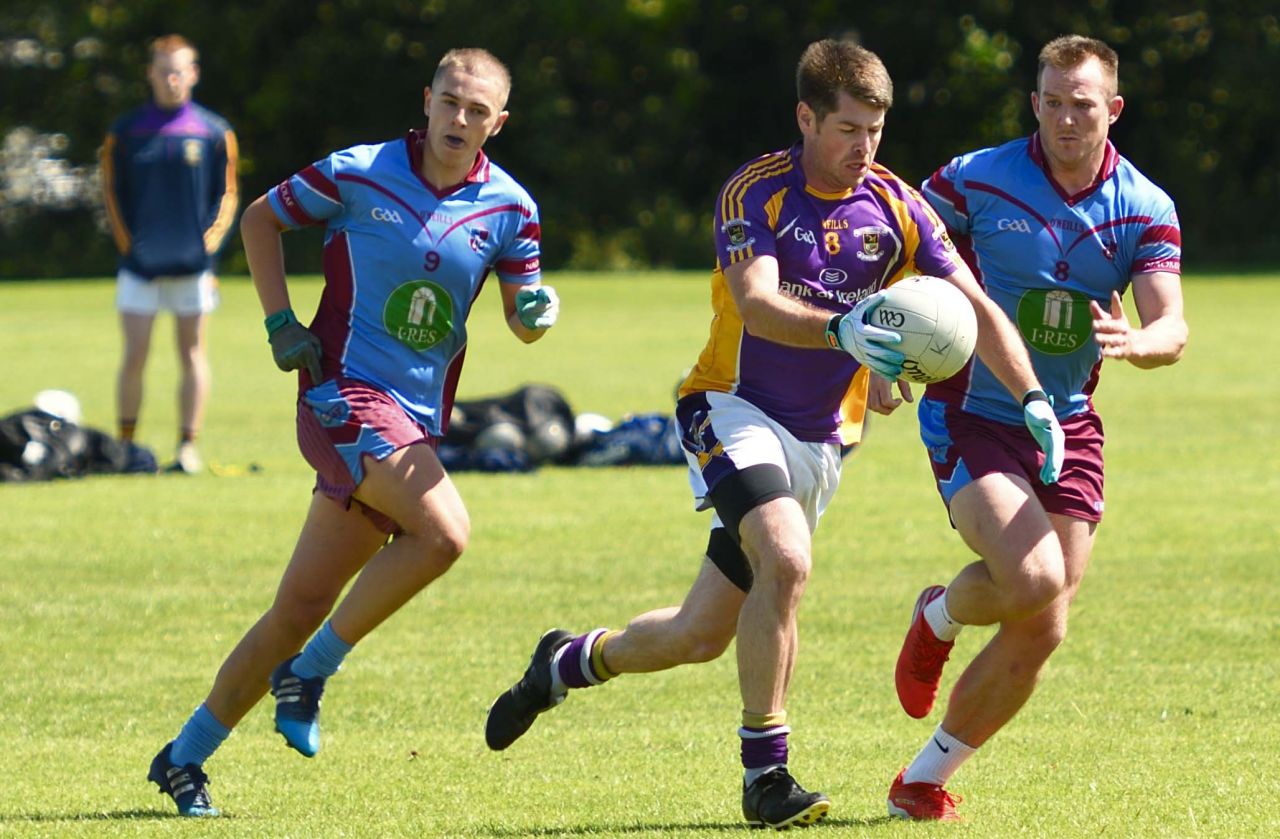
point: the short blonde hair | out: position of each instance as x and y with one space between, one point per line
1067 51
173 43
476 62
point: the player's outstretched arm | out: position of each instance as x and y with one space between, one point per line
1160 341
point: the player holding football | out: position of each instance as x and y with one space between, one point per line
1057 226
806 238
413 228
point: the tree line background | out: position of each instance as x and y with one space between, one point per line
627 115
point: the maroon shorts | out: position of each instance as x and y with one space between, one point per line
343 421
963 447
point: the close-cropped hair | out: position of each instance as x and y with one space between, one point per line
831 67
476 62
173 43
1067 51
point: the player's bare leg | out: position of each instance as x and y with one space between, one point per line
193 387
1003 676
334 544
411 487
1022 570
136 332
697 630
775 537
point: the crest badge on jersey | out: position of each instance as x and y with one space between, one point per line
479 236
873 241
736 232
192 152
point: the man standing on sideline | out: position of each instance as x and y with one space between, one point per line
806 239
1056 226
169 180
413 227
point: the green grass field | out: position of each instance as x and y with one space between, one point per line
119 597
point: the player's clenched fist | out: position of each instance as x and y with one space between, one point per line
538 307
293 346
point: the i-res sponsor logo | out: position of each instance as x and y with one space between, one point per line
1054 321
383 214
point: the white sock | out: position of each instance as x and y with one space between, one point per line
945 627
749 775
938 760
558 687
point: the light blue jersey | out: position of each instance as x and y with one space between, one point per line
1042 255
403 263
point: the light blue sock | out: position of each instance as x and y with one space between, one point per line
199 738
323 654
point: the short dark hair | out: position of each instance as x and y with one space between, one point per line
829 67
1067 51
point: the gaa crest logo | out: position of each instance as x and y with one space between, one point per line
419 314
192 152
873 241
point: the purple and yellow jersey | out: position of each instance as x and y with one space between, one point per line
169 184
832 250
1042 255
403 264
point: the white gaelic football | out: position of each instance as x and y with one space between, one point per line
936 321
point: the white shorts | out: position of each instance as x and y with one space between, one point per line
739 435
190 294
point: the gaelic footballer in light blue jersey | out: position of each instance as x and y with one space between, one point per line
1057 227
413 228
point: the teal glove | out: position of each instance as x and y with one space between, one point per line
1037 412
538 307
293 346
866 342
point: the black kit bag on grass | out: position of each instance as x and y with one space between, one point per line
513 432
39 446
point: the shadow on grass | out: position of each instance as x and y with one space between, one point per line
677 828
113 816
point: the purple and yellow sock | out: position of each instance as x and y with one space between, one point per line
580 663
764 742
